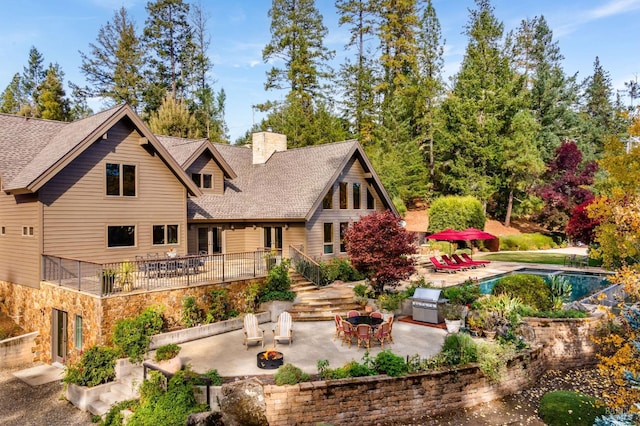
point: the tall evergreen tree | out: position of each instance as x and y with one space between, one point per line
169 36
173 119
598 111
52 101
357 77
32 76
115 63
297 38
429 84
11 98
477 114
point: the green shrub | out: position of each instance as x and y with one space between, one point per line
169 407
278 284
192 314
114 416
340 268
459 348
220 308
214 376
526 242
456 212
289 374
350 369
389 301
133 335
166 352
413 285
463 294
560 288
363 290
569 408
95 367
390 364
399 205
493 358
531 289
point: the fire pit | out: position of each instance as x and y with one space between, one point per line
270 359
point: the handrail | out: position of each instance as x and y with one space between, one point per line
307 267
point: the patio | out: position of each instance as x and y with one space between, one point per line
312 341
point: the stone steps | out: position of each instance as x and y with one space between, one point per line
320 304
123 389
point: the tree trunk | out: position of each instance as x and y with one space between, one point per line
507 219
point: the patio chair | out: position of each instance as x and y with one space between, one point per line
363 334
468 258
390 322
339 331
382 333
252 333
376 315
467 262
348 332
283 329
450 262
352 314
439 267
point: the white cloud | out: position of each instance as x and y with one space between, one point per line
254 63
611 8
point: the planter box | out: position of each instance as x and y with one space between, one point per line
82 396
275 307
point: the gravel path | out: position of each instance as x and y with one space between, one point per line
21 404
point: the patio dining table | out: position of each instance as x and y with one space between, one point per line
364 319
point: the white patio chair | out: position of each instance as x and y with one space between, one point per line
252 333
283 329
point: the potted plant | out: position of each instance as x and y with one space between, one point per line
452 314
108 277
475 321
127 270
490 323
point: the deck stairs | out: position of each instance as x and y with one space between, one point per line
314 303
123 388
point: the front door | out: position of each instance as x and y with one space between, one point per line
209 240
58 336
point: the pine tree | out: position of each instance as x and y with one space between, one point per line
168 35
297 38
12 96
597 110
173 119
357 77
32 76
115 63
52 103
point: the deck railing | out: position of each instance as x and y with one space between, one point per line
153 272
307 267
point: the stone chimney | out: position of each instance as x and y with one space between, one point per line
264 144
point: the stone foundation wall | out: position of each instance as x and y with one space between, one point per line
396 400
17 351
567 341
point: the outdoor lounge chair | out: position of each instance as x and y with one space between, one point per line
252 333
283 329
450 262
439 267
468 258
467 262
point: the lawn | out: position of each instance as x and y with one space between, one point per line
528 257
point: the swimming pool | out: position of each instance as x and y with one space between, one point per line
582 283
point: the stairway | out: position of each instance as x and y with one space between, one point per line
320 303
125 387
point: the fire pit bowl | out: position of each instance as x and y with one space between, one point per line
270 359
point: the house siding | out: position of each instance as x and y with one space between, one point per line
206 165
20 254
77 211
352 173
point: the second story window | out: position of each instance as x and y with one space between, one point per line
121 180
203 180
344 198
327 201
356 196
371 202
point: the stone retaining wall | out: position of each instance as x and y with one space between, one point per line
396 400
17 351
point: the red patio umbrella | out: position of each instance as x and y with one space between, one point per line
475 234
447 235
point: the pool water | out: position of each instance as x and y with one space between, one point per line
582 283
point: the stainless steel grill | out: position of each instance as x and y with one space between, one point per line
426 305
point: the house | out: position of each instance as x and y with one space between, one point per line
103 190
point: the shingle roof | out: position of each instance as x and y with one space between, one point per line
286 187
181 149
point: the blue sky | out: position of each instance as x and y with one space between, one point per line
239 30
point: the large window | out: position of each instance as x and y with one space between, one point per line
121 180
344 199
273 237
327 201
371 202
356 196
343 230
121 236
77 332
202 180
165 234
328 238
